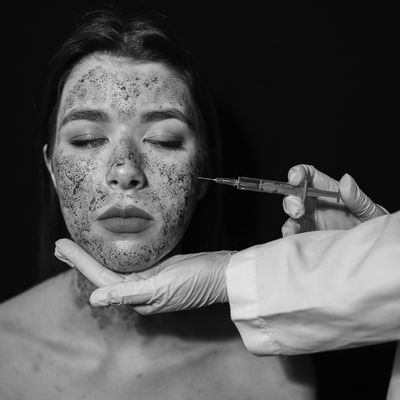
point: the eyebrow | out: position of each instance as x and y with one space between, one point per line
85 114
160 115
101 116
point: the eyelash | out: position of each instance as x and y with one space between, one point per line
93 143
88 143
168 144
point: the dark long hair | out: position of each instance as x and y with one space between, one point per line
147 39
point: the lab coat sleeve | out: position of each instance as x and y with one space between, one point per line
319 291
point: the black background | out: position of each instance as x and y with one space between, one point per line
302 83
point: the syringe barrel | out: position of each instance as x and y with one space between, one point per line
282 188
253 184
267 186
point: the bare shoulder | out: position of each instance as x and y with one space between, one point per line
30 307
280 377
23 320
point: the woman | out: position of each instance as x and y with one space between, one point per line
129 131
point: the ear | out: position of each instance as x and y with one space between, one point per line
203 189
49 166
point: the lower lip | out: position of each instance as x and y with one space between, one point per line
125 225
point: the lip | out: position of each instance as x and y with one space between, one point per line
129 219
125 212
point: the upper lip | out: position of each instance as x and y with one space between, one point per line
125 212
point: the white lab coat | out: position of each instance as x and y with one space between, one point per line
320 291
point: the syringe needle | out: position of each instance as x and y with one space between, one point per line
223 181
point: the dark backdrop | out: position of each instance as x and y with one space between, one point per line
294 84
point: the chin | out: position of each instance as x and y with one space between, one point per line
127 265
126 257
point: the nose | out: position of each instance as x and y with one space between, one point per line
126 172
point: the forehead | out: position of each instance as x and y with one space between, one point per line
123 86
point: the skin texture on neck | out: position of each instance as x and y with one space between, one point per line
122 316
122 322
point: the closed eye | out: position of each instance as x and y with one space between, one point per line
168 144
88 143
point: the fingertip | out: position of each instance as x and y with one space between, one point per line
61 241
289 228
59 253
348 187
104 297
286 232
347 179
98 299
58 247
293 206
65 244
143 310
296 175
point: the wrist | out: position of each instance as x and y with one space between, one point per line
222 278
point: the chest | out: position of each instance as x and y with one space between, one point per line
206 372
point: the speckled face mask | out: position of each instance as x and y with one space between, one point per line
126 160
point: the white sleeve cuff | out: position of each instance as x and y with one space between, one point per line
242 289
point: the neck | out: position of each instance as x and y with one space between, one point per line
117 321
122 322
122 318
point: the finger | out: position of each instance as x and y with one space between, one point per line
301 172
131 292
290 227
297 175
146 310
293 206
68 251
357 201
320 180
294 226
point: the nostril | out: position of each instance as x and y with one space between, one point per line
135 183
126 175
126 183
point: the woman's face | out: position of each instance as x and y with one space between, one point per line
126 160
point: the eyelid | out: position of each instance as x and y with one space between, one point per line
165 134
167 144
164 138
173 140
87 138
88 141
168 127
84 136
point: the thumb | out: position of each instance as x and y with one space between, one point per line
71 253
357 201
128 292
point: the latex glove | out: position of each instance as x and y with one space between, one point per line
181 282
325 213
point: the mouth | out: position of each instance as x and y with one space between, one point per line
129 219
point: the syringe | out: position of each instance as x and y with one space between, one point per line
267 186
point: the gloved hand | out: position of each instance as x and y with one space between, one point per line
325 213
181 282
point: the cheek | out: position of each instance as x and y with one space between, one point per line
173 186
79 189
